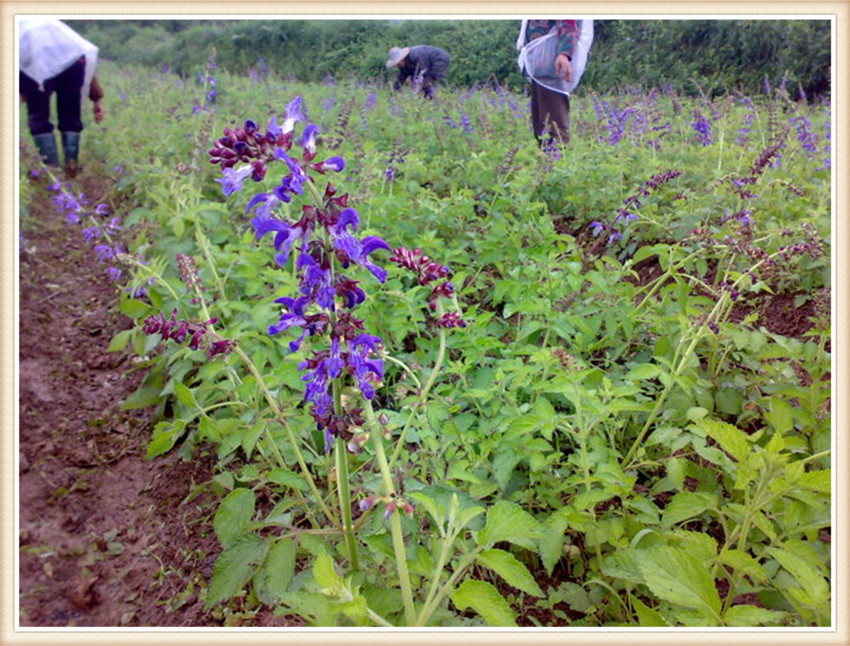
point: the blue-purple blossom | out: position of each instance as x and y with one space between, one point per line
703 129
90 233
286 235
232 179
292 115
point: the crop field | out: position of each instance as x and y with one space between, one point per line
425 373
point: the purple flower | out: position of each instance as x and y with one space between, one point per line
104 252
335 164
292 116
286 235
308 141
350 249
232 179
596 228
290 184
703 129
90 233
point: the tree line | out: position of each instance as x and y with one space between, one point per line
710 57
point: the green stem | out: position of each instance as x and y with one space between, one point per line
343 488
291 436
423 393
395 520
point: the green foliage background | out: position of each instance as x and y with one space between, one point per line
695 57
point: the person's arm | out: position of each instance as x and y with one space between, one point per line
96 97
568 35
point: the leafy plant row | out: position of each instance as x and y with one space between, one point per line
453 379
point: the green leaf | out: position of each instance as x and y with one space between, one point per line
729 401
675 576
484 599
277 571
643 372
234 568
233 516
144 397
120 341
185 396
511 570
746 615
743 563
731 439
551 541
647 617
820 481
815 586
324 572
287 478
135 308
780 416
164 437
507 521
685 505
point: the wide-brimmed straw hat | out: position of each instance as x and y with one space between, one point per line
396 55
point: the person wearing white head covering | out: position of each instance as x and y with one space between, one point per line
53 58
552 55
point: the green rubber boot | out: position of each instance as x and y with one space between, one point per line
71 149
46 144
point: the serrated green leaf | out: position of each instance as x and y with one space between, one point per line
484 599
685 505
745 615
551 541
507 521
234 568
780 415
804 572
507 566
731 439
276 573
675 576
643 372
743 563
135 308
324 572
233 516
184 395
164 437
144 397
623 564
287 478
820 481
647 617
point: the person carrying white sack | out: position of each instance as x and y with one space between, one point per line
53 58
553 54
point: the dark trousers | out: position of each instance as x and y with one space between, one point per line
550 114
68 86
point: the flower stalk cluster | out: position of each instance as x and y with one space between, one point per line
179 330
626 214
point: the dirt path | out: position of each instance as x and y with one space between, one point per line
105 539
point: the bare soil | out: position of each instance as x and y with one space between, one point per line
106 538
